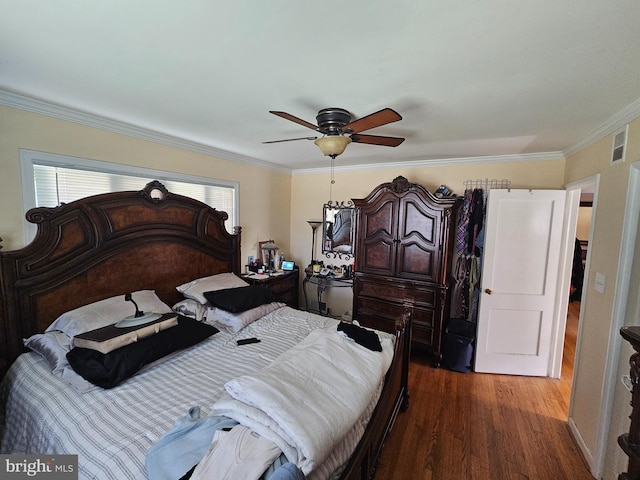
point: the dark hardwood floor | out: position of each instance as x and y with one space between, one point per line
479 426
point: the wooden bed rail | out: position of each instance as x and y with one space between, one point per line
393 399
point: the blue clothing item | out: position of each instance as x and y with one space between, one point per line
288 471
277 463
184 445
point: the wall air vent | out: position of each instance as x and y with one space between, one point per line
619 145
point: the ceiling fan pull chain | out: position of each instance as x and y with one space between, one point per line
333 160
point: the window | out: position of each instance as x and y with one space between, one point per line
49 180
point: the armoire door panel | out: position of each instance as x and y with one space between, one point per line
420 221
414 261
378 257
381 221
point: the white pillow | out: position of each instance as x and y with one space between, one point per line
234 322
195 288
190 308
106 312
53 346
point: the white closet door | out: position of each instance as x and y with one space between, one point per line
519 281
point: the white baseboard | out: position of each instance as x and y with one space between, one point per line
586 453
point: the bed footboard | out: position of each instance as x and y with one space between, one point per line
393 399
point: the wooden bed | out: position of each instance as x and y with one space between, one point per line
111 244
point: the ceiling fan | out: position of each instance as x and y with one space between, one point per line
339 129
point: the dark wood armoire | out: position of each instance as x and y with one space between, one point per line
403 246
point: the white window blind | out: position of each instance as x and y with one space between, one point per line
54 184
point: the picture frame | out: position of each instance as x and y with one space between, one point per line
263 255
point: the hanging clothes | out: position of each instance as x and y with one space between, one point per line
458 293
474 289
469 243
462 228
465 288
476 219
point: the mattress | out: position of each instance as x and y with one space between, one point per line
111 430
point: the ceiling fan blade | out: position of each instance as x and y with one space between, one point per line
297 120
384 116
291 139
377 140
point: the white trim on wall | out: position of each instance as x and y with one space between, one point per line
12 99
616 122
443 162
42 107
21 102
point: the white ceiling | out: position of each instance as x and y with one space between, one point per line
470 78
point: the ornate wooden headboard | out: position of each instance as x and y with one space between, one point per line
108 245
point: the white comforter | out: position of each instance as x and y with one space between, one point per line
311 396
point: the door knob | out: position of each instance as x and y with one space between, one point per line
488 291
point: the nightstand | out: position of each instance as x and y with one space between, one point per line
284 285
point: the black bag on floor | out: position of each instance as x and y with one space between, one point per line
457 345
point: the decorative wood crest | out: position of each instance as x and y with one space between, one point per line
399 185
154 191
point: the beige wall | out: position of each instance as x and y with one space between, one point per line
309 191
264 194
598 307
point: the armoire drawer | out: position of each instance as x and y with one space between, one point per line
399 291
423 317
424 335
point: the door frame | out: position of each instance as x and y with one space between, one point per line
576 188
621 293
564 282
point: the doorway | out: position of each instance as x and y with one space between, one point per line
582 195
578 273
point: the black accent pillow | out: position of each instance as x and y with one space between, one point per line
109 369
239 299
361 336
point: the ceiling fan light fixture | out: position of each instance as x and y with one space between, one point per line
332 145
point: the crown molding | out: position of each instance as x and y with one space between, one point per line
34 105
441 162
615 123
29 104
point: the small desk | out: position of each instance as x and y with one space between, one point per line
322 283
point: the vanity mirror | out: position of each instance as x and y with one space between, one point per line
337 229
